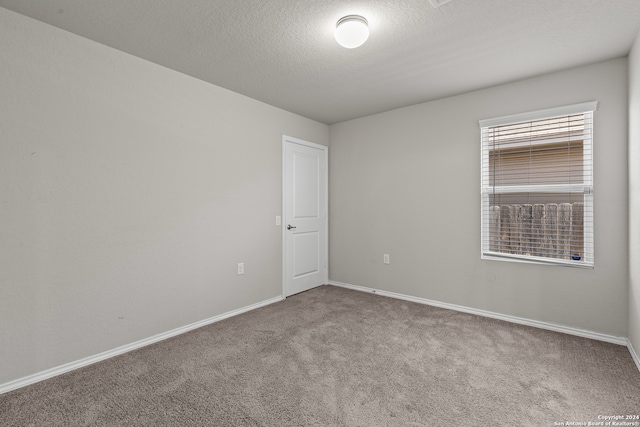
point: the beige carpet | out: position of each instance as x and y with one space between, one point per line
336 357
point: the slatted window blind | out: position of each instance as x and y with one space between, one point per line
537 186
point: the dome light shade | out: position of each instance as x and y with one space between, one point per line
352 31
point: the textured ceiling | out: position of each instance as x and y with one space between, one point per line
282 52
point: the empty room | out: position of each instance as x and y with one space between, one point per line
320 213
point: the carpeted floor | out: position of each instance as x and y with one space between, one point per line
336 357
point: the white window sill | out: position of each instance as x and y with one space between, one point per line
536 260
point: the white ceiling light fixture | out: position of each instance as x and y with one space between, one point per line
437 3
352 31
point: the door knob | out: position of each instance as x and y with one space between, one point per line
289 227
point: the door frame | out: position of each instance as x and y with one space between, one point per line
291 140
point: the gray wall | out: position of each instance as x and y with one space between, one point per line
128 194
634 195
407 183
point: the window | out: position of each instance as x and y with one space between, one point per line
537 186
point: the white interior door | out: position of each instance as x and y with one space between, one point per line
305 215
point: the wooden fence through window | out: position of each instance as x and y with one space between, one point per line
552 230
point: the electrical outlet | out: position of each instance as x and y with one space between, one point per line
240 268
385 258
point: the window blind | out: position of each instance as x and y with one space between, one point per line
537 186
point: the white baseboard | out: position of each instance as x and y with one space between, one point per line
513 319
50 373
67 367
634 355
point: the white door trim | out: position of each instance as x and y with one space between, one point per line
291 140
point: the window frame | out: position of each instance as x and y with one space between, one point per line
585 187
